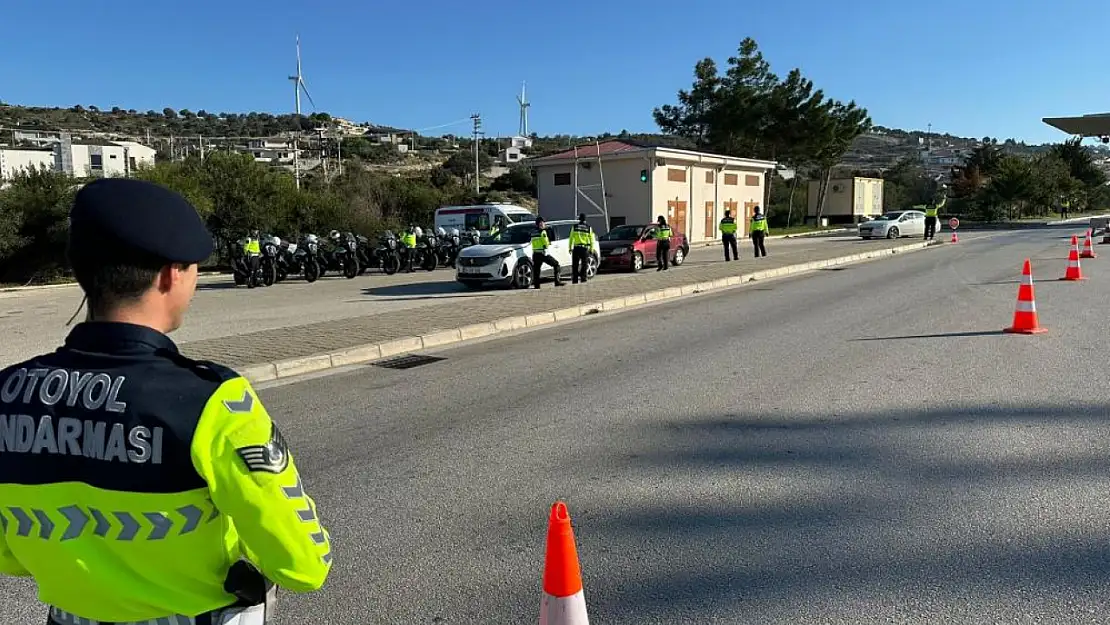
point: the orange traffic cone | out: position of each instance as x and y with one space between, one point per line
563 602
1088 248
1025 314
1074 272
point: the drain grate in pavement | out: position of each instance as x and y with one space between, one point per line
407 362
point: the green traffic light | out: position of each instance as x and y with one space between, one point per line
643 175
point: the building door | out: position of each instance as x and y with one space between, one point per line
732 206
749 210
710 220
676 216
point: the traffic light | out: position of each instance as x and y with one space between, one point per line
643 175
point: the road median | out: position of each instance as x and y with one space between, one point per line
299 350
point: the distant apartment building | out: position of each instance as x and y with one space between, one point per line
82 159
272 150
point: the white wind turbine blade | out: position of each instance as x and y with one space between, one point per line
308 95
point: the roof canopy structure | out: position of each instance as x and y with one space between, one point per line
1096 125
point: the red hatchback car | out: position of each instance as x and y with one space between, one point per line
632 247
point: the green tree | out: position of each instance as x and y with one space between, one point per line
36 237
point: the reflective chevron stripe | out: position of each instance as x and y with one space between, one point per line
61 617
76 521
308 515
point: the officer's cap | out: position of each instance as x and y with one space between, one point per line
125 216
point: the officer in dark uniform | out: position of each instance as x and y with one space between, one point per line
131 475
662 244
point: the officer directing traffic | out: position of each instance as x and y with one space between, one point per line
139 485
541 243
728 236
581 242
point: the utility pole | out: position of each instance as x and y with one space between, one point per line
477 119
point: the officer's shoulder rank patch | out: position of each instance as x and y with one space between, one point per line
273 457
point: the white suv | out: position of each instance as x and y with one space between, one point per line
507 258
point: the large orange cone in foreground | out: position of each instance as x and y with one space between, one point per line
1074 272
1025 315
1088 248
563 602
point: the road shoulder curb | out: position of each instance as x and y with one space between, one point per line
362 354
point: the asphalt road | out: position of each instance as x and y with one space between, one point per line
858 445
33 322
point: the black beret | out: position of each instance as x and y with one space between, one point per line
122 215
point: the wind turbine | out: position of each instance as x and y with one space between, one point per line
522 100
298 86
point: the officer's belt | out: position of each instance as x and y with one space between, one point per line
254 615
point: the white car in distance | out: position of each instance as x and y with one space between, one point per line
893 225
507 258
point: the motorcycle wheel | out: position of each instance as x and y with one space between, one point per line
430 262
269 275
311 272
282 275
350 269
240 279
390 264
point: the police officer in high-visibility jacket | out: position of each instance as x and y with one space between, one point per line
581 243
541 243
728 236
253 251
759 232
662 244
408 247
137 484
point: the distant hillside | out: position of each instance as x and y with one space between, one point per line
876 150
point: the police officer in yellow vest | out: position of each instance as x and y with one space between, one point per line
728 236
541 243
253 251
662 244
408 248
759 232
581 242
930 221
139 485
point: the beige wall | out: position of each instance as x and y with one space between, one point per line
731 186
626 196
637 202
849 197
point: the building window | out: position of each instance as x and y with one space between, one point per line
732 179
134 165
751 181
615 221
111 156
96 161
676 175
561 180
709 177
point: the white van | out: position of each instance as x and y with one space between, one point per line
480 216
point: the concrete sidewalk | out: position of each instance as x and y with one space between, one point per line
284 352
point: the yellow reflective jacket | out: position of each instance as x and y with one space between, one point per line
132 478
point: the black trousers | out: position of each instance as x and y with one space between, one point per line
930 227
580 262
757 242
254 261
408 254
538 260
663 255
729 243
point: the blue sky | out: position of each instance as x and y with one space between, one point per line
971 68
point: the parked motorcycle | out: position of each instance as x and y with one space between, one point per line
344 256
269 263
307 258
426 257
286 260
386 253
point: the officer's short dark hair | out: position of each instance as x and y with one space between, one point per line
117 281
